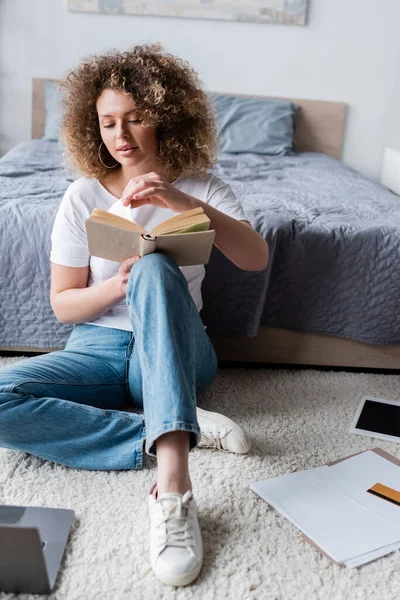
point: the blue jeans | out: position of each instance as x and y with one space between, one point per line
68 406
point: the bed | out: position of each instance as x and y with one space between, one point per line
328 297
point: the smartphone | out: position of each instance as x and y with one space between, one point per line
377 418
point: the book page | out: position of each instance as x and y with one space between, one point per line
125 212
104 217
184 222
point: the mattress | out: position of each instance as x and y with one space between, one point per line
333 238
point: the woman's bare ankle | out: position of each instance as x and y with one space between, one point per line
173 463
172 484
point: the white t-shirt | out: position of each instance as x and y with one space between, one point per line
69 243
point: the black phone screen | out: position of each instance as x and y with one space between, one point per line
379 417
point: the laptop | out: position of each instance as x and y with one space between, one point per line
32 544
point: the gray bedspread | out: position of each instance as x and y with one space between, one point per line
333 236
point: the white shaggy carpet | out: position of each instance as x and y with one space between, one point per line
296 420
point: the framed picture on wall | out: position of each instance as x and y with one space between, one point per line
285 12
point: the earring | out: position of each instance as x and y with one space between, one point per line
103 163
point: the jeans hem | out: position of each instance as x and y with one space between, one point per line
175 426
139 450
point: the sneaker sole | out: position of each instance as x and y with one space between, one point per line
180 580
231 423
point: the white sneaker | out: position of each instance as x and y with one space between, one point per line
176 547
217 431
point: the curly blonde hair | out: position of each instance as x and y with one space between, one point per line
168 96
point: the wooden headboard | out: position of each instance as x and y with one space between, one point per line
319 126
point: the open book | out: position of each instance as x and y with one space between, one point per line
185 237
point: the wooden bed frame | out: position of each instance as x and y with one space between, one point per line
319 128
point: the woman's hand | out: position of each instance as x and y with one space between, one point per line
153 189
121 279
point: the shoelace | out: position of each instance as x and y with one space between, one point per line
175 530
210 441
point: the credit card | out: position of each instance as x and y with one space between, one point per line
385 492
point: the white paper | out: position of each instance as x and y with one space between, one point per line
368 557
332 507
356 475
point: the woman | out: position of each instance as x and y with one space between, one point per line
138 128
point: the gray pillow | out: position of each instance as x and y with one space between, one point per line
257 125
52 99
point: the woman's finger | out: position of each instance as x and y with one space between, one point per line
148 192
135 181
129 262
147 187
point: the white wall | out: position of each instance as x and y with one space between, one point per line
348 52
390 171
392 129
